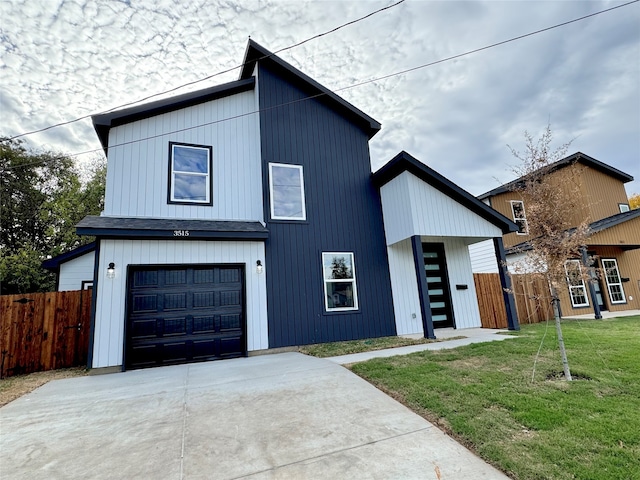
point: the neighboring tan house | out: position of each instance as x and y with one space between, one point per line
245 217
614 241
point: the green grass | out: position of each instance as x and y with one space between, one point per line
548 428
334 349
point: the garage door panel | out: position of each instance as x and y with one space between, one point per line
204 325
174 301
179 315
144 303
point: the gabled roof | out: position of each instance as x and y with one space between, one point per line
594 227
257 53
105 121
54 263
403 162
170 229
576 157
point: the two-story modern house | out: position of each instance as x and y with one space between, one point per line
245 217
614 241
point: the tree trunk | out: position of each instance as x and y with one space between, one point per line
563 353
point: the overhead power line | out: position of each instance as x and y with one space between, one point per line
365 82
84 117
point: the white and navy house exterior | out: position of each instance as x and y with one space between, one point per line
245 217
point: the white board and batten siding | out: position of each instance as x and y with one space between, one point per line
138 171
406 297
413 207
75 271
110 312
483 257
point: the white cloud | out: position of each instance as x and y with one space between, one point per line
60 60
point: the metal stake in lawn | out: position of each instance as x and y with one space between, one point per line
555 301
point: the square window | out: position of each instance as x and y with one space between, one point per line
624 207
339 282
286 184
190 174
519 217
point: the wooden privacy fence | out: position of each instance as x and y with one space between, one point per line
490 300
44 331
531 294
533 300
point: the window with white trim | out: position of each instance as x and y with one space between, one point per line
286 186
519 217
340 292
614 282
190 173
624 207
577 288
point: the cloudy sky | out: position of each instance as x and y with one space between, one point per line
63 59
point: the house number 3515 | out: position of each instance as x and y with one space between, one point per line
181 233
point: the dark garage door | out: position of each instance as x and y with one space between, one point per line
183 315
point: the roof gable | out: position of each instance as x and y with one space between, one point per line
255 53
576 157
54 263
105 121
405 162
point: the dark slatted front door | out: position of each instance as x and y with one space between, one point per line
435 267
182 315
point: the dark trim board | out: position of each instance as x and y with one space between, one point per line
94 302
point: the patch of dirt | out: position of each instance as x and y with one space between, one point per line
559 375
15 387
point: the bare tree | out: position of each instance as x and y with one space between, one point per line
552 201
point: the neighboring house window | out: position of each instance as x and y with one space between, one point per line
614 282
286 183
624 207
339 282
577 289
190 173
519 218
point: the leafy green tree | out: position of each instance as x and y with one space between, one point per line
42 198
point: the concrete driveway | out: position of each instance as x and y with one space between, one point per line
266 417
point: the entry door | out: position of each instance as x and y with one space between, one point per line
435 267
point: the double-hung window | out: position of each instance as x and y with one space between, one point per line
577 288
190 174
340 290
519 217
614 282
286 185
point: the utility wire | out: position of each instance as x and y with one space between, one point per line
402 72
210 76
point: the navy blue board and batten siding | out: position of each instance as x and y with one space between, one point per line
344 214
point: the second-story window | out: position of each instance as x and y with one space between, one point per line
190 174
286 184
519 217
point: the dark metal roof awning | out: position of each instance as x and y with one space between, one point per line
174 229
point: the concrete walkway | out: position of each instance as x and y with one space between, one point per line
281 416
473 335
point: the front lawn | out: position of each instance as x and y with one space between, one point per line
484 396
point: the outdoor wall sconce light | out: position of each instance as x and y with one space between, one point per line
259 267
111 270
